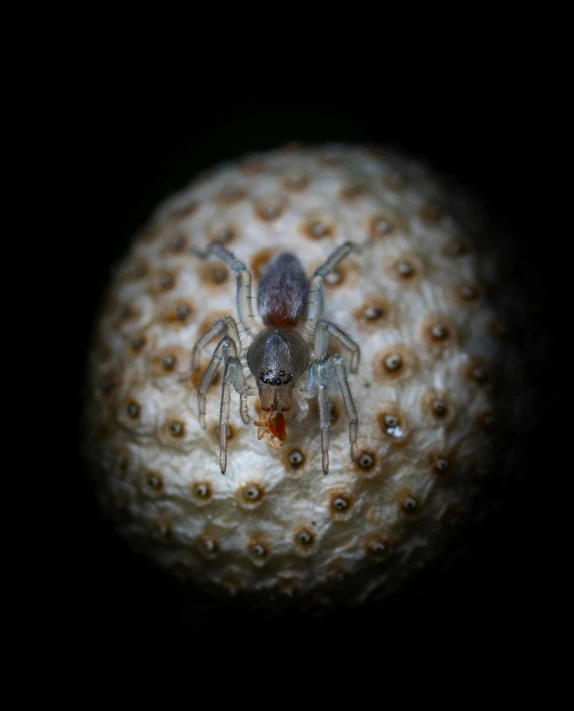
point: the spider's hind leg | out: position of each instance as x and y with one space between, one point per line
316 282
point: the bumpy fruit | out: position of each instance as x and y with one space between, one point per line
435 360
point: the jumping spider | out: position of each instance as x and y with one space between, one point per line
278 356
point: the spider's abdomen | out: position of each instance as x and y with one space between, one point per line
282 292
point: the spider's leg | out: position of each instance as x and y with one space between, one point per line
233 375
316 282
336 365
225 343
225 326
317 385
243 276
326 328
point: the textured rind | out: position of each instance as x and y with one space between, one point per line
268 525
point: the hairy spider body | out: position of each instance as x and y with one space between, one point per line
278 357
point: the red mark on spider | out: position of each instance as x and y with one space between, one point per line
275 426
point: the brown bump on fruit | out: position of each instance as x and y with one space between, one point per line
107 383
331 161
162 528
304 539
438 333
431 212
177 243
180 213
336 574
440 464
269 209
251 165
287 587
128 312
180 313
167 360
499 328
377 548
408 502
251 495
467 294
201 492
353 191
395 181
230 195
479 371
223 233
375 151
438 406
340 505
259 261
149 234
366 461
295 182
134 271
137 343
406 269
132 409
175 428
395 364
163 282
258 551
381 225
121 459
318 226
374 313
294 459
153 482
213 274
486 421
336 277
456 247
393 422
208 546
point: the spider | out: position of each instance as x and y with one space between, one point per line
278 358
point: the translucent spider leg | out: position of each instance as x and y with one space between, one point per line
323 330
316 282
233 375
225 326
321 373
243 276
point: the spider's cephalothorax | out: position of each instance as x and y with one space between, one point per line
278 356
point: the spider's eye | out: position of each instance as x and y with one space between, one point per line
278 381
282 373
269 372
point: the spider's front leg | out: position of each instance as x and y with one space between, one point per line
232 375
320 375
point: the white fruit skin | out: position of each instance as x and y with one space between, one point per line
302 497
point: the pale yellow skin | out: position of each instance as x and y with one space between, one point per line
274 524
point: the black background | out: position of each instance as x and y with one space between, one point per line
137 141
